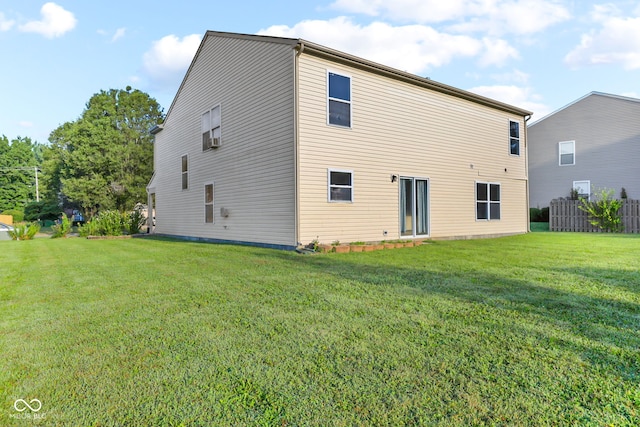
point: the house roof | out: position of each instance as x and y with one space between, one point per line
594 93
307 47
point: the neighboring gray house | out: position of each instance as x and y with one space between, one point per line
590 144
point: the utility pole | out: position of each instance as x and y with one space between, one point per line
37 191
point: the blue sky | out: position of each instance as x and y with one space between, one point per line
535 54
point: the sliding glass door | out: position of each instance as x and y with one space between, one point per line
414 207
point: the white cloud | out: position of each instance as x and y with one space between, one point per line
522 97
5 24
617 41
412 48
168 59
120 32
494 17
55 22
25 124
497 52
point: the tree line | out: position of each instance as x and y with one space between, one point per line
101 161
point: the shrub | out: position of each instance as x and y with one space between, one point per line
106 223
25 231
603 211
134 221
62 229
534 214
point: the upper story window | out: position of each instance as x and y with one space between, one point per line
567 153
487 201
340 186
514 138
210 129
185 172
339 100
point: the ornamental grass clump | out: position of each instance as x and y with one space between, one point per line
24 231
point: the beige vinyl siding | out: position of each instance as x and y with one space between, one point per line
253 170
401 129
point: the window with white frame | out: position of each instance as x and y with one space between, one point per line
185 172
514 138
487 201
208 203
210 129
340 186
583 188
339 99
567 153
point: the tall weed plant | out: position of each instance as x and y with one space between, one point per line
62 229
134 221
604 211
107 223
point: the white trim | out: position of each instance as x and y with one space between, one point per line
588 185
350 101
573 143
182 173
213 202
211 128
414 178
329 186
488 201
519 138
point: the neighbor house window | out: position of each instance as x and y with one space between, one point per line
208 203
339 100
487 201
210 126
185 172
583 188
567 153
340 186
514 138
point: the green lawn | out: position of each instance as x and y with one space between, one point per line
533 330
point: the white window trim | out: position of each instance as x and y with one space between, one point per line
329 186
182 173
519 138
588 181
416 178
213 203
573 144
350 102
475 204
219 106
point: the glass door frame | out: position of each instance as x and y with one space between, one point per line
414 206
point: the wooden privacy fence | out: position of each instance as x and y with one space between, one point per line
565 215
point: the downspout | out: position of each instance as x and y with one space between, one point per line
296 139
526 171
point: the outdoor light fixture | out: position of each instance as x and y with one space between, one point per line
394 178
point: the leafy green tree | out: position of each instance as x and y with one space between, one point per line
104 160
18 160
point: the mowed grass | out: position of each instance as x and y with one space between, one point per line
540 329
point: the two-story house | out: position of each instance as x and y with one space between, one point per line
279 142
591 144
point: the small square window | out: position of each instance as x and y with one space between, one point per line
487 201
340 186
